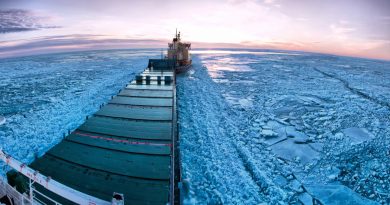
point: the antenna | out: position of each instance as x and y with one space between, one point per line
176 32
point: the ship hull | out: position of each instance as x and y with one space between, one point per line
183 67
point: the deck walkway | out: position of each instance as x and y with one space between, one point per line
125 147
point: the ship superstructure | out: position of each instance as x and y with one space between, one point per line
180 52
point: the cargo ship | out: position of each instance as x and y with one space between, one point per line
179 52
125 153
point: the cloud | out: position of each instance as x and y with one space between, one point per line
342 27
342 30
269 1
18 20
76 42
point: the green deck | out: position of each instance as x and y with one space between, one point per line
136 112
125 148
123 100
128 128
147 93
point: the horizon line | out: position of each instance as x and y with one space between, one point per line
81 42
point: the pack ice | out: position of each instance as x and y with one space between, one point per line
256 127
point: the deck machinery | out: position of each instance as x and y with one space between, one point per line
126 153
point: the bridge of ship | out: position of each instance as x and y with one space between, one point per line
125 147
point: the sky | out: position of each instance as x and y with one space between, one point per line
358 28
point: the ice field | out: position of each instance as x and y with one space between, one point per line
285 127
271 127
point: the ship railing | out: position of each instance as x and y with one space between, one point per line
18 198
13 194
49 184
36 195
173 131
175 176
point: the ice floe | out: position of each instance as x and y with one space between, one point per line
290 150
337 194
357 135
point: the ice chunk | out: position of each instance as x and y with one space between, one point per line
299 137
289 150
274 125
317 146
357 135
338 136
268 133
245 103
294 133
296 186
280 180
333 173
2 120
305 199
336 194
272 139
283 111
